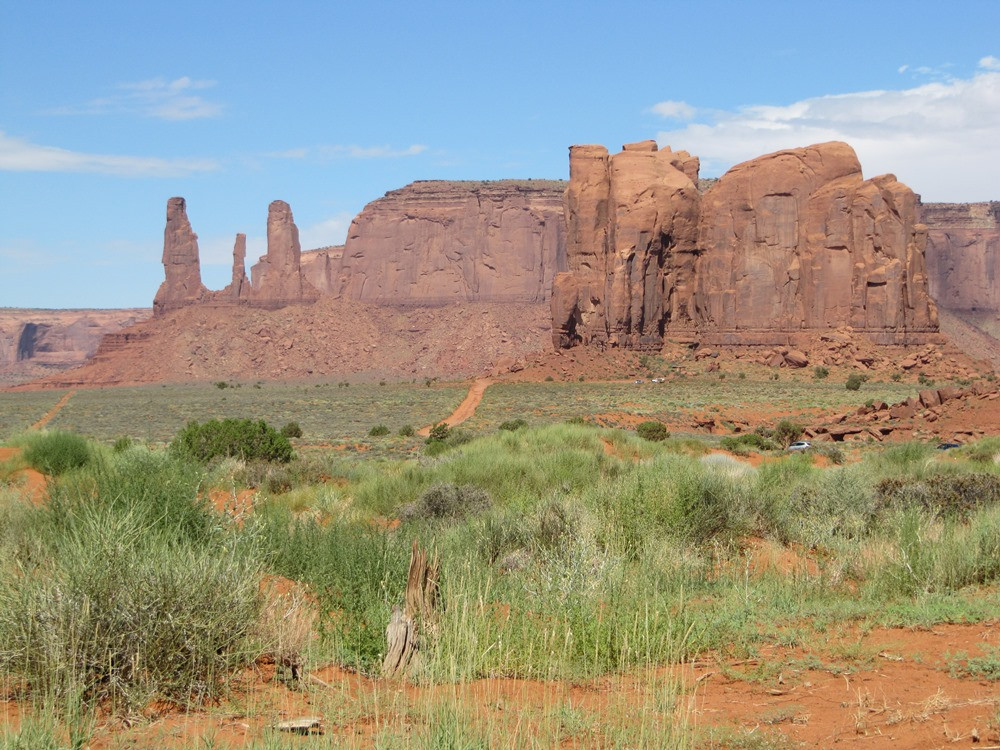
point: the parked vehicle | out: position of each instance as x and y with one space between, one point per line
948 446
800 445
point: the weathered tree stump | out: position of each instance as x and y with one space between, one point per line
403 632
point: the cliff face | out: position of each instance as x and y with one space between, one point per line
435 242
963 251
33 342
785 243
631 231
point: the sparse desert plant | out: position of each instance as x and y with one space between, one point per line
787 432
292 430
406 430
653 431
378 430
439 432
820 372
239 438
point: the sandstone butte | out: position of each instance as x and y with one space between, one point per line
635 249
790 242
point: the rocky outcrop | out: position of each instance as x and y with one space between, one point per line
435 242
276 279
631 232
181 265
963 253
35 342
786 243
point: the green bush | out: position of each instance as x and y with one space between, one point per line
239 438
748 440
406 430
512 425
787 432
55 452
854 381
378 430
122 444
952 495
653 431
292 430
820 372
439 433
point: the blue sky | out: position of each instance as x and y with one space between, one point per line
109 108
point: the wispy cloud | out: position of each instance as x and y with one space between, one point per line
348 152
939 137
19 155
990 63
674 110
155 97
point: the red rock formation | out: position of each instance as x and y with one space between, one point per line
239 287
277 277
181 264
631 230
785 243
798 240
963 254
434 242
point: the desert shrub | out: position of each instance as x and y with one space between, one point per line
221 385
952 495
439 432
854 381
924 380
556 525
54 452
129 591
654 431
499 535
820 372
448 500
748 440
896 377
549 379
983 451
787 432
830 451
239 438
378 430
406 430
292 430
513 425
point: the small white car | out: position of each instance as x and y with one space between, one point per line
800 445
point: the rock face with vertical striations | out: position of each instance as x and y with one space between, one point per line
789 242
631 231
963 254
182 267
436 242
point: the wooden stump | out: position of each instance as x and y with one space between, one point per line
403 632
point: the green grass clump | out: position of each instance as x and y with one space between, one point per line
748 441
240 438
54 452
126 588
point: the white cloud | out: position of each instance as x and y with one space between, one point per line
990 63
155 97
18 155
332 231
940 138
371 152
674 110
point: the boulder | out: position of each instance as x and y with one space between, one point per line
795 358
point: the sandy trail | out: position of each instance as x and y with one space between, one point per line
465 409
51 413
